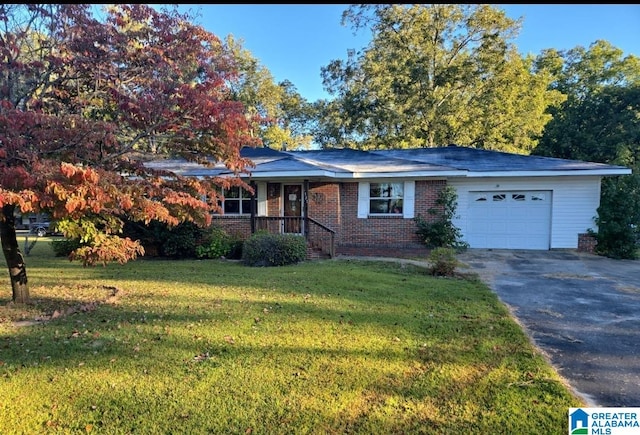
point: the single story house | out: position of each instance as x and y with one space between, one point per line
353 202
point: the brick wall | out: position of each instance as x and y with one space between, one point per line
336 206
324 204
238 226
587 243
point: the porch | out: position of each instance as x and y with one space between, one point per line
320 238
285 210
327 214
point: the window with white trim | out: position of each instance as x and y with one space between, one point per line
236 200
386 198
381 198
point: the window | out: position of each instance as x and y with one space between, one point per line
386 198
538 197
236 201
499 197
518 197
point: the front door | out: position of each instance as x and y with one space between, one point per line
292 208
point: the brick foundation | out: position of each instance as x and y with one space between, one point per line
414 251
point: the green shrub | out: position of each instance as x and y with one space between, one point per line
159 239
440 231
264 249
618 218
150 236
217 243
181 241
443 261
63 247
235 253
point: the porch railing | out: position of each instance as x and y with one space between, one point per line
318 236
321 237
279 224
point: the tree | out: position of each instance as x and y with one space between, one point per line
83 102
297 118
331 130
600 122
436 74
279 115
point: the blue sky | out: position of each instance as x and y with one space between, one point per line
294 41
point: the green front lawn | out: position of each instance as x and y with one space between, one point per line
333 346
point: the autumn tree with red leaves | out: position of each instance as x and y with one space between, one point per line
85 100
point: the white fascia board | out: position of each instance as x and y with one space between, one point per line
355 175
585 172
289 174
408 174
427 174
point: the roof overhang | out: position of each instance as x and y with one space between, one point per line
572 173
422 164
268 175
408 174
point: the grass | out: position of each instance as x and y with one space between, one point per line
325 347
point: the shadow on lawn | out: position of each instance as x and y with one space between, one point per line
214 329
79 298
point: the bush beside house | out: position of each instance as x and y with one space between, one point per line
266 249
618 219
184 241
439 231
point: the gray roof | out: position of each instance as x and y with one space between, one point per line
343 163
478 160
185 168
363 161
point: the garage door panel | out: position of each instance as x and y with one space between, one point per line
516 228
510 220
498 227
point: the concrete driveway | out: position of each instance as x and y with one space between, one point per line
581 310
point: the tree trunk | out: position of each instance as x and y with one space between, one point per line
15 260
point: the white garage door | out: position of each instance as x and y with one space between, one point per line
510 220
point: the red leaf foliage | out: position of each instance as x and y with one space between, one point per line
86 101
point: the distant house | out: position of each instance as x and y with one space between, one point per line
351 202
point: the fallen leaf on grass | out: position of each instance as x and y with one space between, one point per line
201 357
